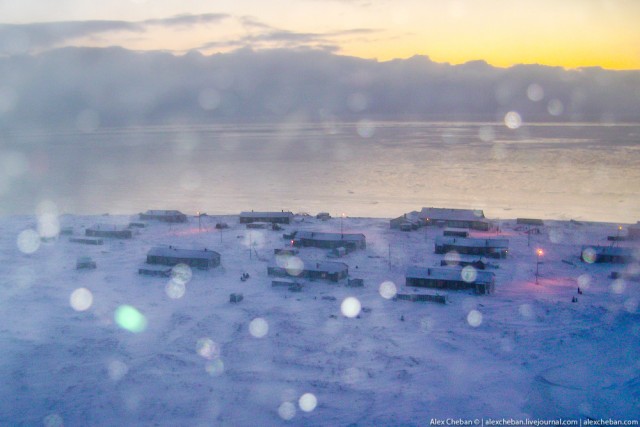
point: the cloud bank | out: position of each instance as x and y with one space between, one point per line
90 87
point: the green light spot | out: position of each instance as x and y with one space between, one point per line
129 318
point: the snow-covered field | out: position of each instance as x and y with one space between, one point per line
111 347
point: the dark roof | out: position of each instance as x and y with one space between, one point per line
610 250
452 214
317 235
472 242
310 265
447 273
171 252
108 227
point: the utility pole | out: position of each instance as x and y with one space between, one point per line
538 253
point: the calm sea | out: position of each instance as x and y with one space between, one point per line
376 169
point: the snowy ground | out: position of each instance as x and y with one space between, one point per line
279 357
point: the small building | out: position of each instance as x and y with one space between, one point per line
236 298
494 248
168 255
85 263
337 252
350 241
606 254
633 231
109 230
323 216
164 215
272 217
407 222
286 251
456 232
450 278
291 285
441 299
477 264
455 218
137 224
259 225
155 272
86 240
355 283
530 221
323 270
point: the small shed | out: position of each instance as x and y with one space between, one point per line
85 263
155 272
323 216
286 251
66 231
355 283
169 255
236 298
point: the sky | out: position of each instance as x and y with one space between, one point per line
568 33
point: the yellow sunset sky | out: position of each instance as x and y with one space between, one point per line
566 33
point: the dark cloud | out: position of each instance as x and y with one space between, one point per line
187 20
23 38
260 35
119 87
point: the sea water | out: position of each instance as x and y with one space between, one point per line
366 168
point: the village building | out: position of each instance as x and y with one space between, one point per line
441 299
272 217
606 254
481 282
633 231
407 222
494 248
323 270
109 230
455 218
85 263
169 255
86 240
530 221
157 271
349 241
455 232
164 215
